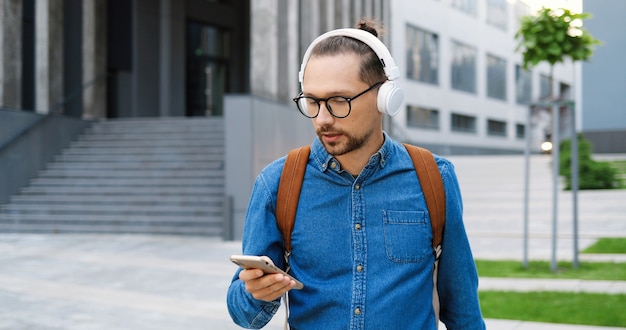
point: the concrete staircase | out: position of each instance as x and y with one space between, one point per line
155 176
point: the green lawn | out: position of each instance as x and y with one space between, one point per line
608 245
610 271
555 307
558 307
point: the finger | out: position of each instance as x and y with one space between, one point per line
250 274
269 288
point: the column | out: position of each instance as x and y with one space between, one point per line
10 53
49 55
94 59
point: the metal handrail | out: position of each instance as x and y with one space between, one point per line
54 110
78 91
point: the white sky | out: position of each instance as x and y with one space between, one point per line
573 5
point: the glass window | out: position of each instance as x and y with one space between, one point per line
463 123
422 56
496 128
564 91
523 85
520 131
463 73
496 77
468 6
422 117
496 13
544 87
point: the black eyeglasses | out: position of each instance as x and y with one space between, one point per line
338 106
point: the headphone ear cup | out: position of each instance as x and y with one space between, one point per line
389 98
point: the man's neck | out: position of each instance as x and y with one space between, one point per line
355 161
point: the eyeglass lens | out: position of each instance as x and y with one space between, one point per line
338 106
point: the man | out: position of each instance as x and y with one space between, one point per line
361 244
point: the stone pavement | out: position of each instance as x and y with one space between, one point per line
168 282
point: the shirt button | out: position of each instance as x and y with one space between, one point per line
357 226
357 311
357 187
333 165
359 268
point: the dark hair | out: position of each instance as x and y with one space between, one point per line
371 70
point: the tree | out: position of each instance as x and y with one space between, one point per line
552 35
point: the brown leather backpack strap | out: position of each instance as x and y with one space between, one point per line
289 191
432 185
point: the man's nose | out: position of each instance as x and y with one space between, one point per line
324 115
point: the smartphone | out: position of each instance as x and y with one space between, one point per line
263 263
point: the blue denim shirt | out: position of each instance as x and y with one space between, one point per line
362 248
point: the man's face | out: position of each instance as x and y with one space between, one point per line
338 75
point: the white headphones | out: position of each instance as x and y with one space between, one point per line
390 96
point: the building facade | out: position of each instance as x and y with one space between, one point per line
93 59
466 89
604 78
239 59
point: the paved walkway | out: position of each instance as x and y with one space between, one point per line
166 282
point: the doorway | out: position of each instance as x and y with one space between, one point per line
207 69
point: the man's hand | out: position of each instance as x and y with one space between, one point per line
266 287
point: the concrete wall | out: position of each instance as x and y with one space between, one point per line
607 141
257 132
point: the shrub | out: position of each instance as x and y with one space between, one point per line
591 174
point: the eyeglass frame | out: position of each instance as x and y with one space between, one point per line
325 100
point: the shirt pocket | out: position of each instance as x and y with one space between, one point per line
408 235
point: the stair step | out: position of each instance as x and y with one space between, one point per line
144 150
108 218
111 209
173 142
148 123
118 174
157 127
118 190
148 228
143 158
138 165
130 182
150 136
191 200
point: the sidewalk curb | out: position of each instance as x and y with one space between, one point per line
555 285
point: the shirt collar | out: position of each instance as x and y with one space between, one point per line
323 160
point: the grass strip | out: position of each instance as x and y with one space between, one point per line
555 307
608 245
609 271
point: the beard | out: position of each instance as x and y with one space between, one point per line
348 142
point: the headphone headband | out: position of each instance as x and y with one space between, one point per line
389 65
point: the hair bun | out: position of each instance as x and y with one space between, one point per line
369 26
